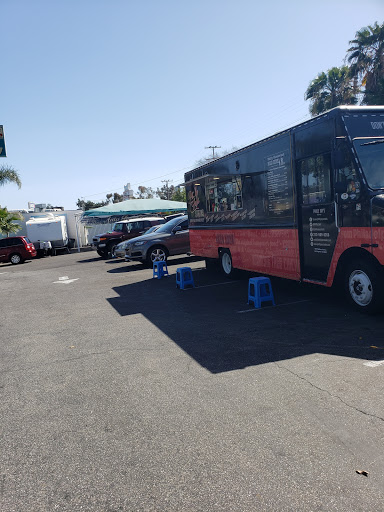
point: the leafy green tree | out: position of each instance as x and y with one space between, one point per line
165 192
330 89
114 198
9 175
204 161
366 56
179 194
145 192
89 205
8 220
117 198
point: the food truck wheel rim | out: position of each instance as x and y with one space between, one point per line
364 285
360 288
226 262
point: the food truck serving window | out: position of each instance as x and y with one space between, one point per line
224 194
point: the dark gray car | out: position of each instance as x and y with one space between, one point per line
170 239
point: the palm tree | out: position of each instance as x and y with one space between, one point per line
330 89
9 175
7 221
366 56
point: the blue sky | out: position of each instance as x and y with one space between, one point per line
98 93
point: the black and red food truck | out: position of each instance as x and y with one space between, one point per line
306 204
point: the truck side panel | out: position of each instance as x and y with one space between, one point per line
269 251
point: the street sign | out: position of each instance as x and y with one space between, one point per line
2 142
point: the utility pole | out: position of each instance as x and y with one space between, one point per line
167 181
213 151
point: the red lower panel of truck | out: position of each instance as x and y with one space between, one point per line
276 251
378 239
347 238
268 251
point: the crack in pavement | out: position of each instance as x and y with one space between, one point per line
328 393
80 357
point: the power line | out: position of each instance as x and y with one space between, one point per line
287 107
143 181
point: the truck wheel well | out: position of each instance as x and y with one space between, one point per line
354 253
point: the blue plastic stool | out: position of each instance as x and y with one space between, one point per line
184 278
160 269
260 290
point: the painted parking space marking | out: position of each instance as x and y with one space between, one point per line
216 284
65 280
373 364
277 306
198 287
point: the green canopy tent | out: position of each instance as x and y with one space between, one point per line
119 211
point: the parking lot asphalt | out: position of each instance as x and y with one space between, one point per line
119 392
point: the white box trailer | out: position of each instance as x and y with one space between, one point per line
52 228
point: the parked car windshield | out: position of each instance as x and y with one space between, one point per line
152 229
168 226
371 154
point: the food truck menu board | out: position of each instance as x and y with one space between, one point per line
279 185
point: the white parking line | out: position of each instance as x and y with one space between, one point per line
216 284
208 285
3 272
65 280
277 306
373 364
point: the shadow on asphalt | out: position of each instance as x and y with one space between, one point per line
5 265
135 266
213 323
97 258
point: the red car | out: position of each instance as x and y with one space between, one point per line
16 249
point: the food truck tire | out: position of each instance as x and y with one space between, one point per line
226 266
363 285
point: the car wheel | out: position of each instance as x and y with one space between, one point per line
226 264
109 250
363 285
15 258
156 254
100 253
